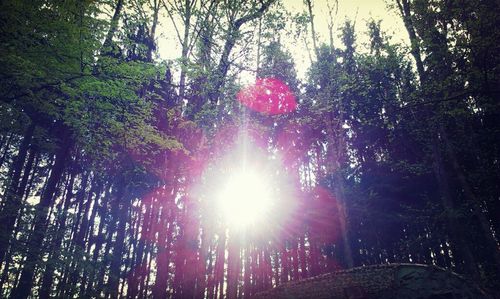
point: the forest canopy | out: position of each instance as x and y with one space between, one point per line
182 149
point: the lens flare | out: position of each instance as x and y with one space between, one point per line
246 188
268 96
245 199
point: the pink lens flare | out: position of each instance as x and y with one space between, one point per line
268 96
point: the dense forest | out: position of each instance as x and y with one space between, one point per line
112 156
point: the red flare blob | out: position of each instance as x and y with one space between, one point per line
269 96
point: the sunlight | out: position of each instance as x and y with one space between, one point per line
245 199
247 189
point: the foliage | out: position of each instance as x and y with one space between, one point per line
390 157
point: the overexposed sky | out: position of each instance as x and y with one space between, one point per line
359 11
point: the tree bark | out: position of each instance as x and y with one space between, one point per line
232 268
163 258
5 148
484 223
34 251
231 38
404 9
98 239
12 205
108 42
313 30
54 248
119 244
454 227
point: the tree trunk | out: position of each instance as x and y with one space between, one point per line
313 30
54 248
232 268
201 281
21 190
231 38
454 226
191 248
111 229
12 205
99 241
404 9
23 289
151 43
6 149
163 258
302 256
119 244
185 49
485 224
219 265
295 260
138 269
107 45
337 149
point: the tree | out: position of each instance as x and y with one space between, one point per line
109 154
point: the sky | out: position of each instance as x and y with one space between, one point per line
359 11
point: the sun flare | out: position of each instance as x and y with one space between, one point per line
245 199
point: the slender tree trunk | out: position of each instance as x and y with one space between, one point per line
147 279
185 49
138 271
6 147
54 249
25 285
269 270
247 287
88 244
79 231
255 269
313 30
6 267
19 195
438 164
276 270
263 268
342 209
219 265
259 32
163 259
111 229
453 226
231 37
151 43
99 241
12 205
201 281
232 268
404 9
314 255
295 260
285 269
116 262
211 275
192 247
337 149
485 224
29 185
107 45
21 190
303 260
